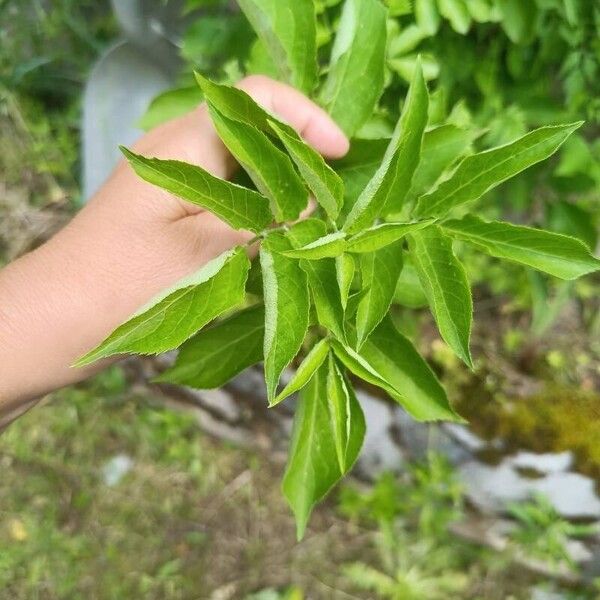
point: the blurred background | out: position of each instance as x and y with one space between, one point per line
120 489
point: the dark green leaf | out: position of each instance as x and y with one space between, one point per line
479 173
396 360
446 286
379 274
356 75
286 308
216 354
239 207
180 311
559 255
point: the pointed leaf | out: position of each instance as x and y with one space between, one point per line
446 287
427 16
347 418
442 147
270 169
288 28
237 206
180 311
386 191
286 308
345 267
379 273
237 105
357 168
379 236
328 246
313 467
559 255
323 182
398 362
479 173
356 76
322 278
314 359
218 353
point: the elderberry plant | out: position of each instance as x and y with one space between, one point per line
326 284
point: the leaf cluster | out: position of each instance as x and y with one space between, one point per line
326 284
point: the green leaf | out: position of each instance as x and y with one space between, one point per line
328 246
314 359
519 19
409 291
427 16
219 352
286 308
398 362
446 287
358 167
170 104
177 313
379 236
379 274
313 467
322 278
479 173
288 28
553 253
345 267
442 146
323 182
457 13
239 207
571 219
387 189
356 75
347 418
237 105
270 169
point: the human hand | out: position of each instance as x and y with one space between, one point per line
129 242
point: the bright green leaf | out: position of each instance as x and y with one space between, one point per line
170 104
379 236
313 467
323 182
379 274
479 173
307 368
398 362
345 267
446 286
427 16
288 29
347 418
286 308
553 253
328 246
219 352
356 75
457 13
239 207
177 313
322 278
387 189
409 291
270 169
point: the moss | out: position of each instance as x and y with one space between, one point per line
555 420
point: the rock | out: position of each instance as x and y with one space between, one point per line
492 488
544 463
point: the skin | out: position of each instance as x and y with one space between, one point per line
127 244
